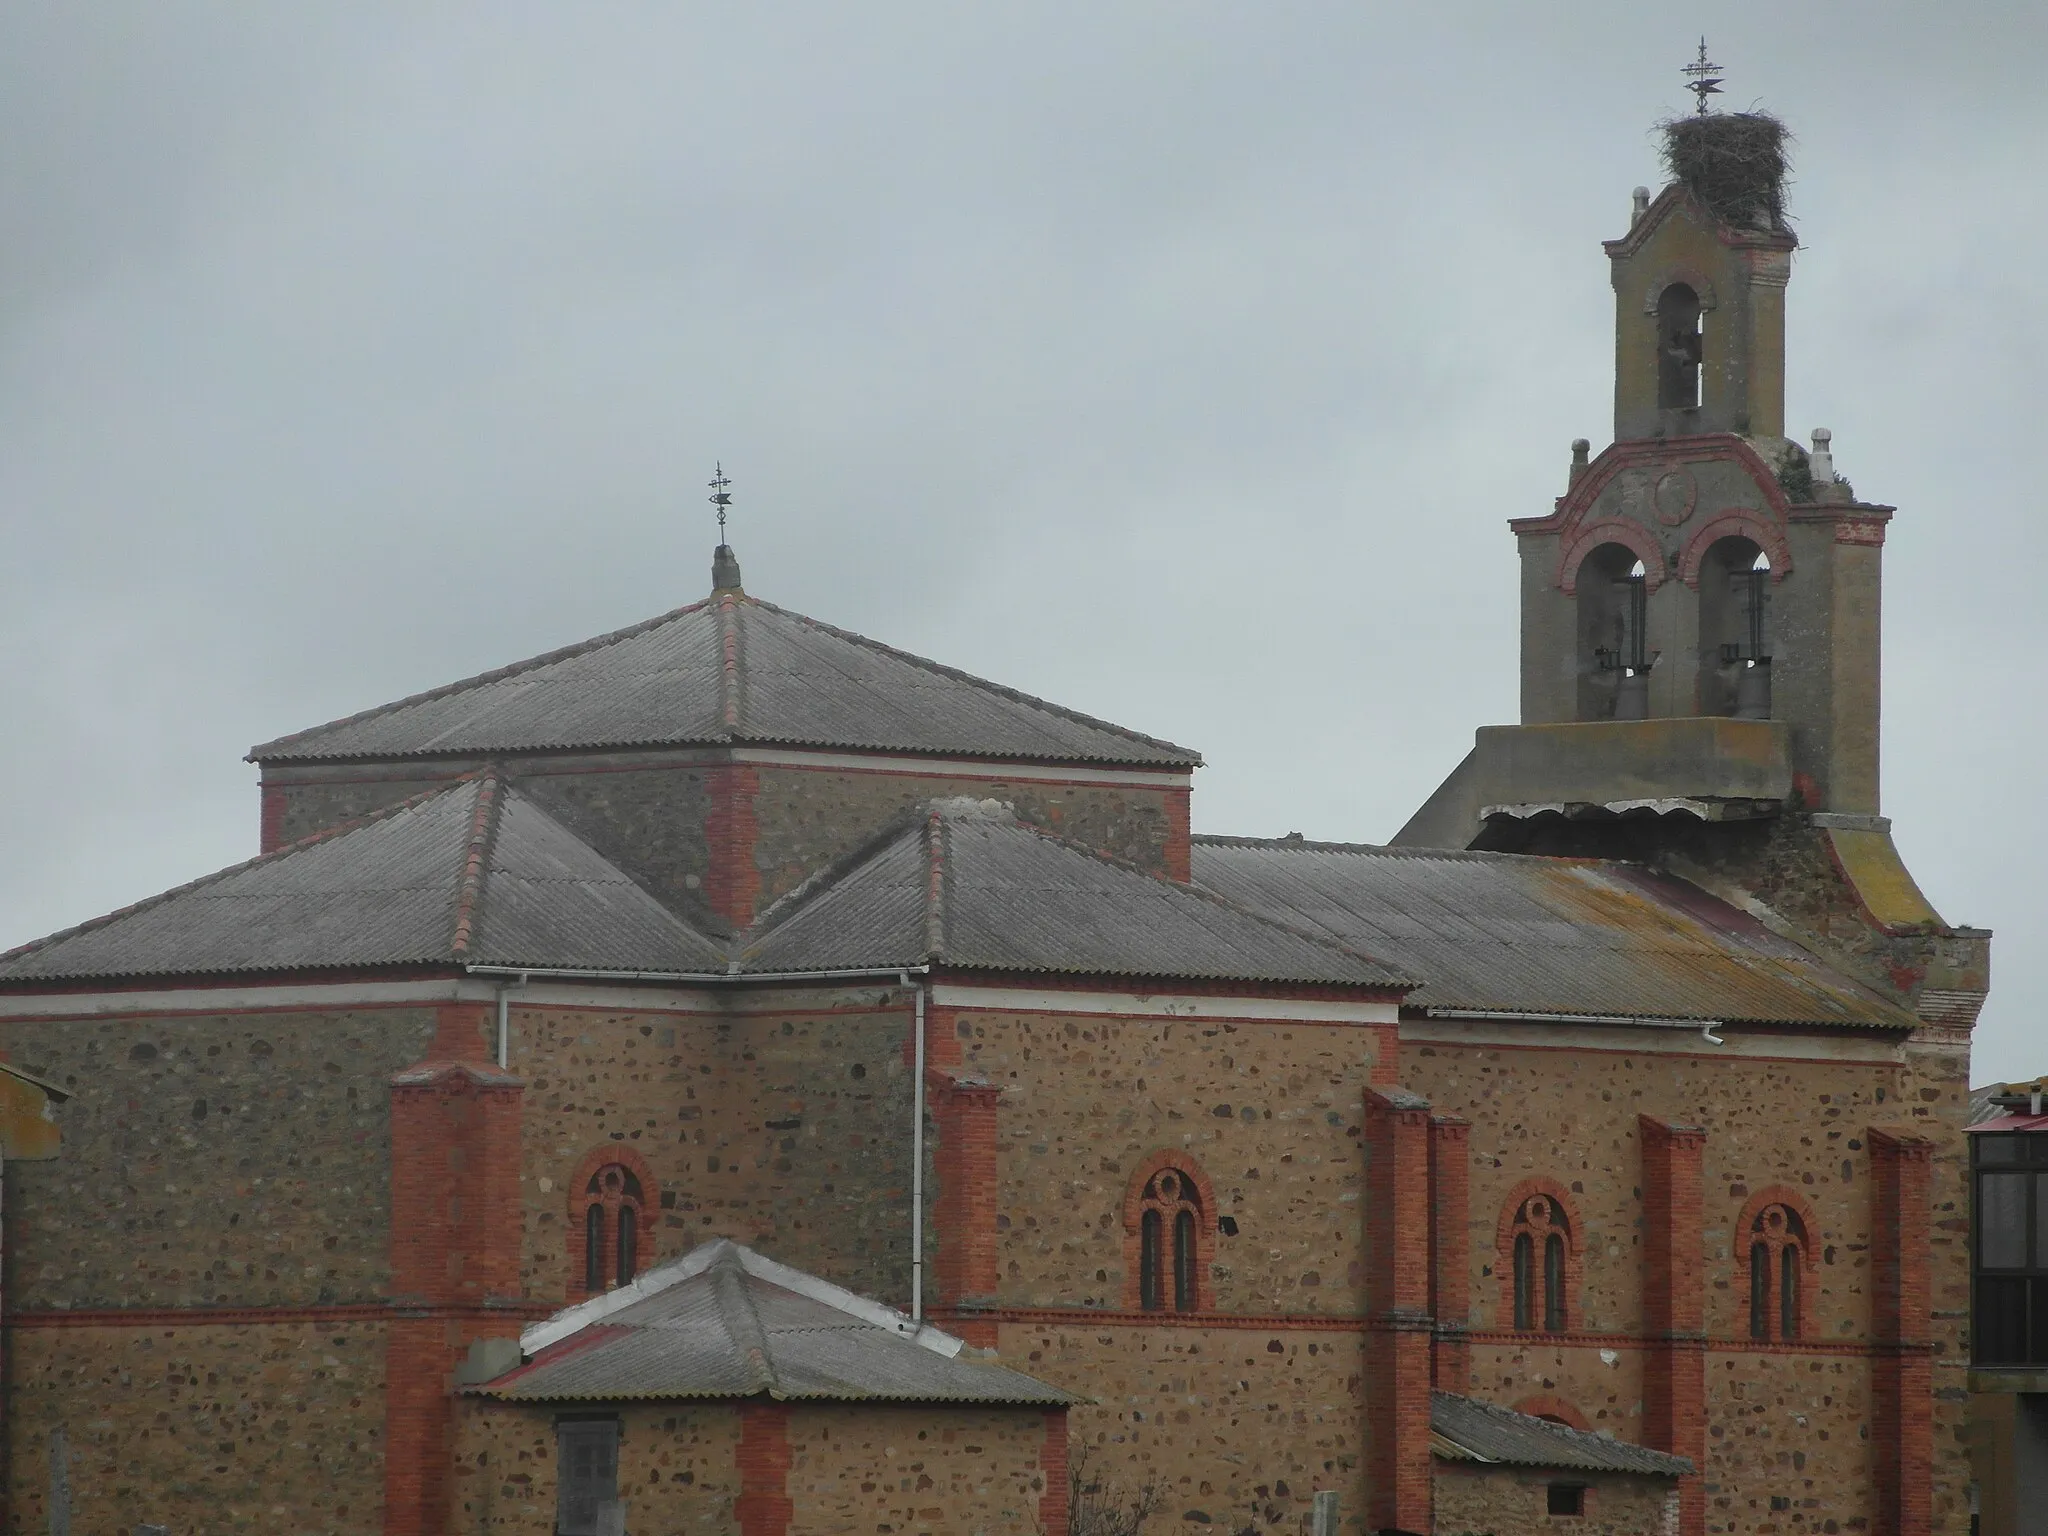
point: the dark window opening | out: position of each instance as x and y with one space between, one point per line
587 1483
1777 1259
1565 1499
1615 658
1170 1202
1680 348
613 1205
1540 1229
628 1224
1735 642
2010 1235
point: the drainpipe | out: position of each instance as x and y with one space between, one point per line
917 1162
505 989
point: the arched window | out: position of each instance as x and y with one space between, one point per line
1735 651
1680 348
1540 1241
613 1200
1170 1234
1613 598
1777 1261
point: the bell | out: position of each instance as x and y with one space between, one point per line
1753 691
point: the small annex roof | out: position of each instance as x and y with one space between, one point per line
964 884
1541 936
1466 1429
724 1322
472 874
729 670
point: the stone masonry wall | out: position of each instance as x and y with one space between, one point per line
1271 1114
1506 1501
1234 1427
244 1428
211 1160
788 1132
917 1471
677 1467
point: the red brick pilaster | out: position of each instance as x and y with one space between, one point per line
732 884
1053 1512
1450 1251
764 1507
455 1236
271 835
1902 1387
1397 1284
1674 1307
964 1212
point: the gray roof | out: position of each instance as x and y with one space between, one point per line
965 884
1465 1429
724 1322
471 874
1508 932
731 669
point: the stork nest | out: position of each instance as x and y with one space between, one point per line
1733 162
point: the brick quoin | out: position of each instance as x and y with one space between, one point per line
732 885
455 1237
1398 1328
1180 842
964 1214
1450 1251
270 835
1674 1307
1902 1386
1053 1513
764 1506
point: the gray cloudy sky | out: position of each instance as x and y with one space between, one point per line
1180 362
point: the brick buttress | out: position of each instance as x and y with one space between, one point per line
1902 1387
1674 1308
1398 1328
455 1227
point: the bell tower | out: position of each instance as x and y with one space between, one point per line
1700 640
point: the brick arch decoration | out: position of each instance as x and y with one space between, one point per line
1184 1164
578 1202
1504 1249
1679 272
1755 1206
1545 1405
1743 522
1587 537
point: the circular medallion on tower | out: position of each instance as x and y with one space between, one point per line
1676 493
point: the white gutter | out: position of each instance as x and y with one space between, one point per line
505 990
569 973
1706 1027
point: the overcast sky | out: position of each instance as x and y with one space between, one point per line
1181 362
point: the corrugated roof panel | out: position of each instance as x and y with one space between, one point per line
1491 1433
1513 933
791 680
1013 898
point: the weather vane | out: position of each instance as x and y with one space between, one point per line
1704 81
721 496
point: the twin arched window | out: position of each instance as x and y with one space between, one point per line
613 1207
1169 1243
1777 1260
1541 1239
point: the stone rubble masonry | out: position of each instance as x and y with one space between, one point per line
455 1250
1397 1344
1674 1321
1902 1428
1480 1501
1450 1252
913 1469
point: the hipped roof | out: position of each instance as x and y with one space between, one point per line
724 1322
728 670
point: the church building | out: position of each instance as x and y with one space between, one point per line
731 1075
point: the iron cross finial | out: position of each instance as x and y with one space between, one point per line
1704 81
721 496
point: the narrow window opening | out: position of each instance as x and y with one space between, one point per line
1525 1282
1613 598
1148 1261
1777 1252
1788 1292
587 1483
1553 1284
628 1234
614 1204
1541 1296
1184 1261
1759 1292
1565 1499
1170 1204
1681 347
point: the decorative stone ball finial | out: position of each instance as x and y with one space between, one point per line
1823 460
1639 204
